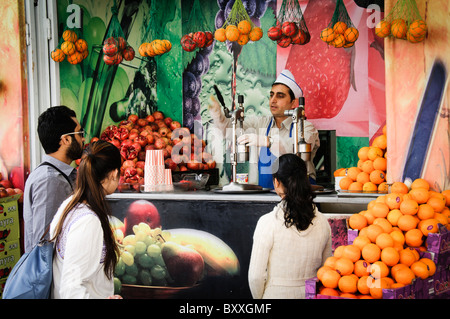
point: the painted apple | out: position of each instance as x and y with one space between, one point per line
141 211
185 265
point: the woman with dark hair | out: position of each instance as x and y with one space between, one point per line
86 250
292 242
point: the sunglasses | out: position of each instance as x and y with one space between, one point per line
73 133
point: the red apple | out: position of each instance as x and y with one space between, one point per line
141 211
185 265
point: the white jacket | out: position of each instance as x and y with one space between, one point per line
283 258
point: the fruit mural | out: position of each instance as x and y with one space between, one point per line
14 153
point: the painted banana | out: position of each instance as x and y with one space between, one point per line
220 258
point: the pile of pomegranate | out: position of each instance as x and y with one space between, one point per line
7 188
183 151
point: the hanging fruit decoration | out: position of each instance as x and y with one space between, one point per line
200 39
290 27
71 47
238 27
116 49
340 32
154 48
403 22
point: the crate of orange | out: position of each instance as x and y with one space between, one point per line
403 22
385 257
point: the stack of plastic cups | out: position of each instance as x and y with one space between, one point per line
154 170
168 179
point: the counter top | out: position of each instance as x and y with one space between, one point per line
256 197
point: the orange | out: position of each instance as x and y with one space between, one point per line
419 194
398 237
407 222
68 48
418 28
351 34
384 240
367 166
407 257
393 216
381 199
396 268
370 187
420 183
409 207
327 35
383 29
361 268
377 176
339 27
446 194
379 269
243 39
380 141
405 276
348 284
244 27
363 284
362 153
380 163
352 252
363 232
384 223
330 261
437 203
328 292
425 211
446 212
353 172
339 251
355 187
344 266
69 35
359 164
373 231
360 241
427 226
393 200
390 256
256 34
380 210
374 152
232 33
330 278
345 182
415 253
321 270
383 187
339 41
371 253
430 265
220 35
399 28
363 177
376 291
414 237
399 187
442 219
420 270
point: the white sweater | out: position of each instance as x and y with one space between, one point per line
283 258
78 269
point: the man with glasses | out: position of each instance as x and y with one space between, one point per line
62 139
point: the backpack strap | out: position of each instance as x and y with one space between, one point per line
64 175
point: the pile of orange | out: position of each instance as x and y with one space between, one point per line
340 35
370 173
399 28
241 33
72 47
391 234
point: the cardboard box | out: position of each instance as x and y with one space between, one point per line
9 218
439 242
441 282
419 289
9 256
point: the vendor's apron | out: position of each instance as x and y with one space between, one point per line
265 160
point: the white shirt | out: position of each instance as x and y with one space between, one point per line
78 269
283 258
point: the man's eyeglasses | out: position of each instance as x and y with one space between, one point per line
73 133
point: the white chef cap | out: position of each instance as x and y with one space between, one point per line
288 79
